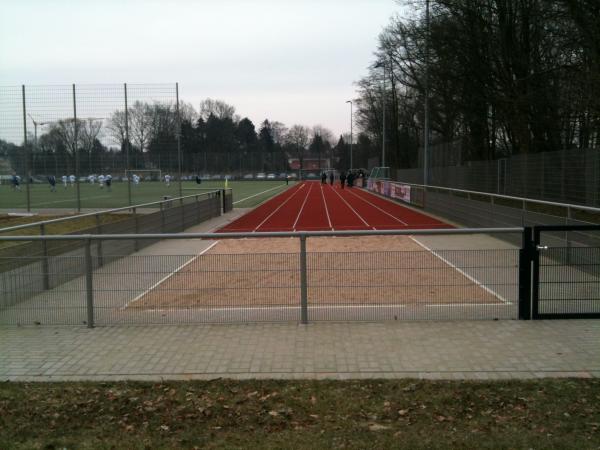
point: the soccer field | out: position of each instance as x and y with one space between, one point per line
246 194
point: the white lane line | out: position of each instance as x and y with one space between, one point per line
279 207
326 209
260 193
324 307
170 275
302 207
463 273
353 210
377 207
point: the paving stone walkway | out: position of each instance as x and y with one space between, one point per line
436 350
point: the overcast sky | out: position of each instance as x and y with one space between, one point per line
291 61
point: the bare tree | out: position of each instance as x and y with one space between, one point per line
217 108
298 139
88 133
116 128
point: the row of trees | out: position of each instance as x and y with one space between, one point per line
501 77
209 140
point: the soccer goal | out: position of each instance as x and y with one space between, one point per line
145 174
380 173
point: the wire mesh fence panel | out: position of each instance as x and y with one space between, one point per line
569 281
413 285
565 176
89 146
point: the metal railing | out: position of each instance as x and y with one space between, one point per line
414 281
166 216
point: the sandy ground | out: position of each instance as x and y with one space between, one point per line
373 270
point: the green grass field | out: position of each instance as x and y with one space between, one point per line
93 197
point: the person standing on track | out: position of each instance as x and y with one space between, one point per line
331 179
323 178
342 178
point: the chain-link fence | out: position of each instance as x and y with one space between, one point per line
566 176
73 140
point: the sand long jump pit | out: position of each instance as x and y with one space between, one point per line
348 278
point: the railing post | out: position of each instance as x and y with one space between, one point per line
303 282
162 217
45 270
568 241
223 201
526 257
136 246
99 243
89 288
197 210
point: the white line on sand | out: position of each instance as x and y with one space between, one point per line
302 207
260 193
169 275
463 273
353 210
377 207
279 207
324 307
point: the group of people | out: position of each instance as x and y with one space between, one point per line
345 178
102 180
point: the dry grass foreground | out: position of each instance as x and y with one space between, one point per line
379 414
372 270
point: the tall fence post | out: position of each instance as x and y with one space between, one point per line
27 153
526 257
89 288
178 139
45 270
127 145
303 282
197 210
223 201
76 150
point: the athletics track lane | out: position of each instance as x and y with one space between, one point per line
315 214
249 221
412 218
312 206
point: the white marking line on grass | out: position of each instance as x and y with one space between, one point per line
169 275
302 207
377 207
65 201
278 208
353 210
326 209
260 193
463 273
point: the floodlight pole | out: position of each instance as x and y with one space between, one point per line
351 136
426 121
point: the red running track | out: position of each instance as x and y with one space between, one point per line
312 206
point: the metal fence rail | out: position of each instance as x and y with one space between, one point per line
41 263
447 283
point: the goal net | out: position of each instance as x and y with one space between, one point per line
380 173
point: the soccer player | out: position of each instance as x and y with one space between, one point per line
16 182
72 180
52 181
64 180
101 181
136 179
108 182
168 180
91 179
